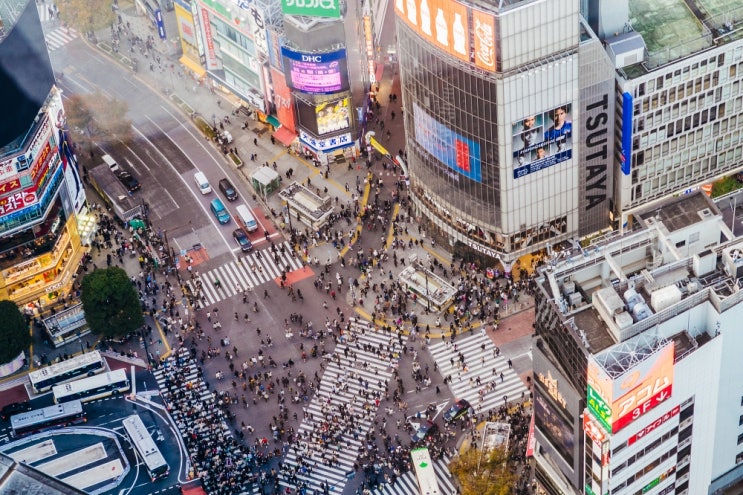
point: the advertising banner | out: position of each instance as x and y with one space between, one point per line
483 25
312 8
282 99
210 50
315 73
652 426
626 157
7 169
16 201
333 116
542 140
9 186
457 152
185 25
443 23
617 403
555 426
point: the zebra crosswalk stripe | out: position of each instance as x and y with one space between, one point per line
480 382
345 381
246 273
59 37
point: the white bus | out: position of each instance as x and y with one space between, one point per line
94 387
146 447
48 417
424 472
64 371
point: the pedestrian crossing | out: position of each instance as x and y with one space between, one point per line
407 484
47 12
252 270
57 38
498 382
342 411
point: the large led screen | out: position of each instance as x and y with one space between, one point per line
333 116
315 73
555 425
457 152
542 140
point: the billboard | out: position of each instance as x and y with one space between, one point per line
312 8
542 140
617 403
333 116
17 201
483 25
326 145
626 156
443 23
457 152
315 73
553 423
282 99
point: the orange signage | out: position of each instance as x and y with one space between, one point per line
441 22
617 403
483 25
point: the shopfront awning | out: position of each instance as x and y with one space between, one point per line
284 135
271 119
194 66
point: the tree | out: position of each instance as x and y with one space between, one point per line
111 303
98 117
86 15
14 333
486 473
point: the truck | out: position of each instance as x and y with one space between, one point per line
114 193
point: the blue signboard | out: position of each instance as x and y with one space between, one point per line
160 24
457 152
626 156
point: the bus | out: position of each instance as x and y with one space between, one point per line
146 448
424 472
94 387
85 364
48 417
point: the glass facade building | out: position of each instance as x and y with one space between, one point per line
496 123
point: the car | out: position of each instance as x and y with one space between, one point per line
128 180
220 212
427 429
456 411
228 190
15 408
242 240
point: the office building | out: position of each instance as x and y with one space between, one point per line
42 200
637 363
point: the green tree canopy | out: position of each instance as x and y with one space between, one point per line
111 303
99 117
14 333
486 473
86 15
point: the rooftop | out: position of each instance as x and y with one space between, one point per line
20 478
680 213
674 29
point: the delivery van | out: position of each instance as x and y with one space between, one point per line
246 218
202 183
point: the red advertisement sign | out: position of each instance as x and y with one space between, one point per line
593 430
16 201
211 53
282 98
644 403
483 25
9 186
463 155
652 426
41 162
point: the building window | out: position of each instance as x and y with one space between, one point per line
740 439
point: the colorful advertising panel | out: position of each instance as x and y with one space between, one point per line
315 73
185 25
312 8
9 186
443 23
17 201
542 140
483 25
617 403
457 152
333 116
282 99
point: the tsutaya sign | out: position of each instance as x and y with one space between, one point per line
312 8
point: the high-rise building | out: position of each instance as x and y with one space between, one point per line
531 122
509 119
42 200
637 359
